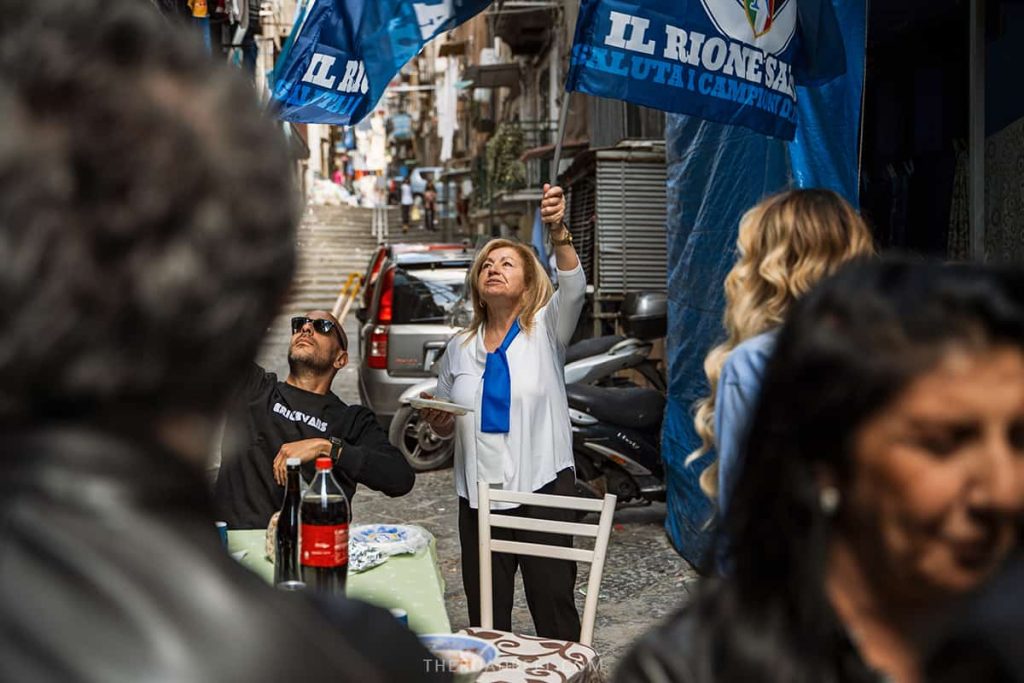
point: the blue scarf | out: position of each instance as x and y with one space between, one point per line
496 402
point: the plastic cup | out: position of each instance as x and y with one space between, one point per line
222 529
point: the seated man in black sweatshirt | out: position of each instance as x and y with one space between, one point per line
270 421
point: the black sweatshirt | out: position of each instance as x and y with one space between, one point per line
266 414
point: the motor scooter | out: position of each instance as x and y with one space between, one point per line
616 430
616 437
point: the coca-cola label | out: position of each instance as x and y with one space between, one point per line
324 546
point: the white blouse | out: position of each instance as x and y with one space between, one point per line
538 444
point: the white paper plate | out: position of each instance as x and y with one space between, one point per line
446 406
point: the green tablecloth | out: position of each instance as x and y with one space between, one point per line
411 582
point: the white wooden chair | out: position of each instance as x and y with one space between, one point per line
600 531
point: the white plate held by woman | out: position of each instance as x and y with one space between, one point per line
446 406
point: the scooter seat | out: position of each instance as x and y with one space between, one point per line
631 407
591 347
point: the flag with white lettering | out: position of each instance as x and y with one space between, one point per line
345 52
732 61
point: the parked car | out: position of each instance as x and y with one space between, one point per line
445 206
382 253
415 307
420 176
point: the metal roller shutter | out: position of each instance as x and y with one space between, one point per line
630 197
581 221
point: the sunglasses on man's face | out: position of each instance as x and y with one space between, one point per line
321 325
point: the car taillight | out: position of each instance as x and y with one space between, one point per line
377 358
387 297
377 262
368 285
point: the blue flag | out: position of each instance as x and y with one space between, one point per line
732 61
345 52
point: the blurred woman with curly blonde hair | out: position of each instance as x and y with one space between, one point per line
787 243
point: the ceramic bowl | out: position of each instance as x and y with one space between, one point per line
464 656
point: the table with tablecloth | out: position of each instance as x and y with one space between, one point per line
411 582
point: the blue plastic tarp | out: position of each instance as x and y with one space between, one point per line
715 173
825 152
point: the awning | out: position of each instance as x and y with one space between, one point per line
297 147
484 214
524 196
457 172
452 48
548 151
494 76
527 30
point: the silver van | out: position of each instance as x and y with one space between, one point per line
416 306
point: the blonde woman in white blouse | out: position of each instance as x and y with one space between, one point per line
508 365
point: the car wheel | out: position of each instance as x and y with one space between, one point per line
423 449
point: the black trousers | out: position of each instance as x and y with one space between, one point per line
549 583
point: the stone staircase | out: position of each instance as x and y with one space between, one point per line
332 242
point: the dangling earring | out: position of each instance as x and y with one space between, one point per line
828 499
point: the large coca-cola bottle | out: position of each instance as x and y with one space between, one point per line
286 557
325 518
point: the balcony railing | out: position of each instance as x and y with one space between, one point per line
538 133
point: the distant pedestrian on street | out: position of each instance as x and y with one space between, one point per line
522 440
270 420
407 202
883 485
429 206
144 249
381 185
786 244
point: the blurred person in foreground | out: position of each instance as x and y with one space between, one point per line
508 366
270 421
983 641
883 483
787 243
146 235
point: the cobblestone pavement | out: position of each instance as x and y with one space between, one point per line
644 579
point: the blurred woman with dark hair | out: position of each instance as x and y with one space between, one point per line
884 480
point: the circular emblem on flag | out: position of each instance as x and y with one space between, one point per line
766 24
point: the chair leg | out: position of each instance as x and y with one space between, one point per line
484 536
597 569
503 570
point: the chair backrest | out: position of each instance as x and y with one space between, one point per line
600 532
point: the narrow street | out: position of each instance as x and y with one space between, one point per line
752 270
644 579
332 242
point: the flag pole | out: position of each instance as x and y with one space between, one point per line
562 116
